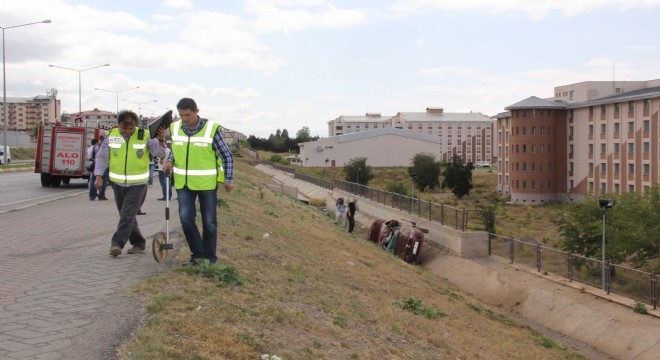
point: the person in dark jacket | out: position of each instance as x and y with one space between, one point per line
350 214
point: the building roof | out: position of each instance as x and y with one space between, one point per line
386 131
370 117
444 116
627 96
534 102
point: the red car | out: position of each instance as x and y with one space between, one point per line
400 237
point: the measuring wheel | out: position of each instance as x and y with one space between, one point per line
159 246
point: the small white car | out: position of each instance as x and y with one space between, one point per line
2 154
483 164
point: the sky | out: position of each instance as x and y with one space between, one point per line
257 66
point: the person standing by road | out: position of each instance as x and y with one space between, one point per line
197 148
350 214
125 151
91 156
162 177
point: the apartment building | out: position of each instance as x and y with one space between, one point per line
23 113
470 135
593 137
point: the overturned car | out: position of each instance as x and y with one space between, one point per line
400 237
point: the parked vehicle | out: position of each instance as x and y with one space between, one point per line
483 164
4 149
62 153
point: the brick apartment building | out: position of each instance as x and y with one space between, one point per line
593 137
23 113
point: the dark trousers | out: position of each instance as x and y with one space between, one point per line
162 178
128 200
351 223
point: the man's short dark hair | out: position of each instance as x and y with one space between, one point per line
187 104
95 141
126 115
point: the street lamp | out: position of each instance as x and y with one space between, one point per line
4 81
117 93
139 104
604 205
79 80
413 178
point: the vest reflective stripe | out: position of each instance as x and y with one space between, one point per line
195 162
129 160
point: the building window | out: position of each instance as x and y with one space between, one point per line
591 167
631 188
603 148
647 104
647 169
533 166
591 186
591 111
533 149
542 166
524 130
533 130
603 188
603 129
524 166
631 127
603 110
543 148
631 106
591 129
603 167
570 185
631 168
616 128
570 166
647 126
616 108
631 148
647 147
616 148
617 168
591 149
524 148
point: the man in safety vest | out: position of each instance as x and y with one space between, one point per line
126 152
199 160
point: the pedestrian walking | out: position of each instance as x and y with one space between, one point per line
162 177
200 159
126 151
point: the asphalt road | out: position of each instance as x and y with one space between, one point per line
23 189
61 294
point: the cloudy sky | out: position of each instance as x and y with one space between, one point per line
261 65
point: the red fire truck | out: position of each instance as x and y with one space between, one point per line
62 152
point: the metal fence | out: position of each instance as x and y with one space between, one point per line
634 284
443 214
326 184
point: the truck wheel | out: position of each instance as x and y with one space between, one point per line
45 180
66 180
55 181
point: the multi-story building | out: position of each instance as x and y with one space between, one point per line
470 135
593 137
23 113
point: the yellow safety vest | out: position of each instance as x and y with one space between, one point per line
196 164
129 160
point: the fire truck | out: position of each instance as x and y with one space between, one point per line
62 151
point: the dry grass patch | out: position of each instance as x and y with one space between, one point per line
312 291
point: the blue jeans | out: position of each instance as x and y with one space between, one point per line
92 190
151 173
163 183
204 246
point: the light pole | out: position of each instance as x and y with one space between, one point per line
139 104
117 93
604 205
413 177
4 82
79 80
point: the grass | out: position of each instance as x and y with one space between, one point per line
311 291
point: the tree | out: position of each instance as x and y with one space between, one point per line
458 177
303 135
488 212
632 229
427 169
357 171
